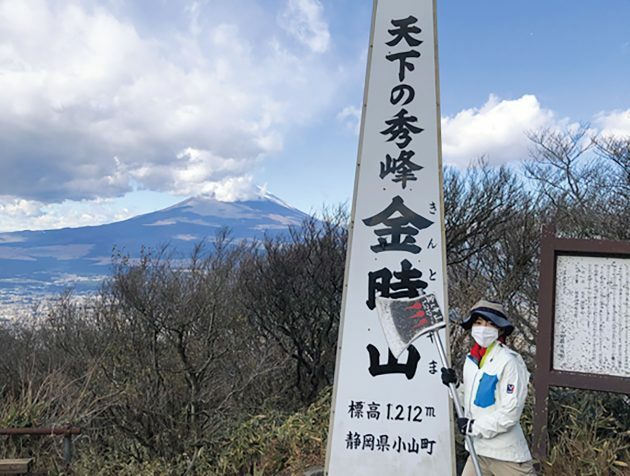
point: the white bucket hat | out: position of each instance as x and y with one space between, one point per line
490 311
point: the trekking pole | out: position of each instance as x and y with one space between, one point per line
458 407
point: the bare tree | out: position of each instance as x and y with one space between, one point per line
291 291
581 182
179 349
614 153
477 205
492 230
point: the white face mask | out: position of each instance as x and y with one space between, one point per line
484 336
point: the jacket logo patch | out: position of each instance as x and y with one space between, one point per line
510 388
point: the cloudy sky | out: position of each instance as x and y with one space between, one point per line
110 108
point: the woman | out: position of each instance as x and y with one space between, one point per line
493 394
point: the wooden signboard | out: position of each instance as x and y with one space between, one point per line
583 321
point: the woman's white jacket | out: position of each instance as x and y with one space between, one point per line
494 396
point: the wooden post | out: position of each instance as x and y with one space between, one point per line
544 340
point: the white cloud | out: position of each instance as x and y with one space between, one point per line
20 214
304 20
92 101
615 123
233 189
194 11
351 117
497 130
15 207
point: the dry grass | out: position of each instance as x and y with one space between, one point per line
589 435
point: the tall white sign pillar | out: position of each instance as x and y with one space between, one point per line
393 416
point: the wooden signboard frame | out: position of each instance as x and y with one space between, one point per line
546 375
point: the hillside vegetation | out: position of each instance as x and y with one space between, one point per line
221 362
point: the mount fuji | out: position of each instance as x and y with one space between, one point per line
43 263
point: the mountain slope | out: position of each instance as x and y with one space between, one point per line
51 260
